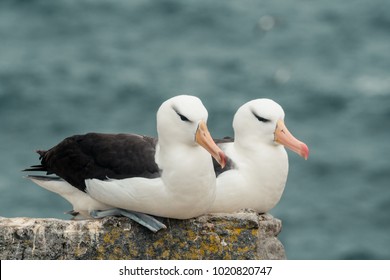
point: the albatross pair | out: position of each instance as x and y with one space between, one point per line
101 174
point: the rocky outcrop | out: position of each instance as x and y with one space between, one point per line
243 235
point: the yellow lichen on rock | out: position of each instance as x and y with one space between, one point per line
245 235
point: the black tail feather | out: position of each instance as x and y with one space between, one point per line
35 168
44 178
39 167
41 153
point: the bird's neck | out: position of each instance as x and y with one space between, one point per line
192 161
261 158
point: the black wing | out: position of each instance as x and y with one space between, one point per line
100 156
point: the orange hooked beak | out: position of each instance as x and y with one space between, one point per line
284 137
203 138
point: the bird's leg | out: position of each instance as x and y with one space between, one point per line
143 219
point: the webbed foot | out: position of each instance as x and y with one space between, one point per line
143 219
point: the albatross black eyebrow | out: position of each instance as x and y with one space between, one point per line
182 117
261 119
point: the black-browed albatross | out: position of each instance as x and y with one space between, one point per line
256 173
172 177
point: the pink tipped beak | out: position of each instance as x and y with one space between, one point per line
284 137
203 138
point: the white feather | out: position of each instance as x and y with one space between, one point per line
261 165
187 184
81 201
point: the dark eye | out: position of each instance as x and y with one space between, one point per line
261 119
183 118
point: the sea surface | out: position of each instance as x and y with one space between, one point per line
74 66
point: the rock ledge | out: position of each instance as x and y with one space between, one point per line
243 235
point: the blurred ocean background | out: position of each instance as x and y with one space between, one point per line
74 66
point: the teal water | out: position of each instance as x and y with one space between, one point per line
69 67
